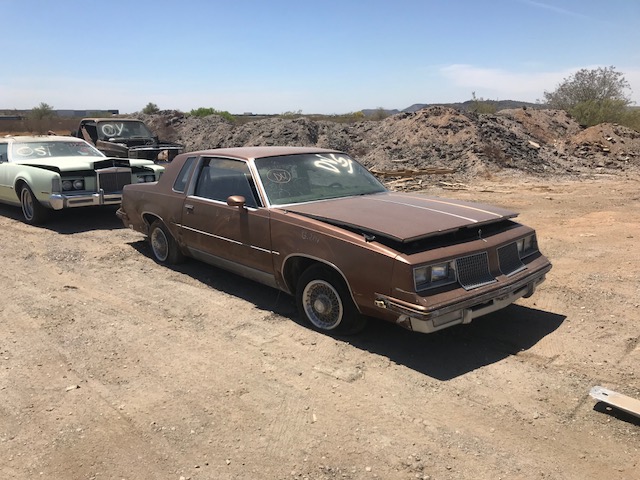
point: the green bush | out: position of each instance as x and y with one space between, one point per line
631 118
593 112
593 96
291 114
151 109
380 114
480 105
42 111
351 117
205 112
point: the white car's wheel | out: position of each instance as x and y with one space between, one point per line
32 210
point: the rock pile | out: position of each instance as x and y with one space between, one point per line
538 142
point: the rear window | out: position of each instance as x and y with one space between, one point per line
183 177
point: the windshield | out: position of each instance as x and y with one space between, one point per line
314 176
48 149
123 129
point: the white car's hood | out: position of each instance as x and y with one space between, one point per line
76 163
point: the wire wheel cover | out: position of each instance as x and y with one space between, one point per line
322 304
159 244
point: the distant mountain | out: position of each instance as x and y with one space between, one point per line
464 106
370 112
469 104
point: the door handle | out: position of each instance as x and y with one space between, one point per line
189 208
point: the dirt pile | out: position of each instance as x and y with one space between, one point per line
538 142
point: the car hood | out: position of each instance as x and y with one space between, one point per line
80 163
401 216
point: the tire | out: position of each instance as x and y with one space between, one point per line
163 246
32 210
325 303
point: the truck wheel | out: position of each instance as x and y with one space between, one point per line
33 211
324 301
164 247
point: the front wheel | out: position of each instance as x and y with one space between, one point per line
32 210
324 301
164 247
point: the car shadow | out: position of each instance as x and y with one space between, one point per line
443 355
262 296
73 220
457 350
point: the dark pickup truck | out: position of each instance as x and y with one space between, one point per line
126 138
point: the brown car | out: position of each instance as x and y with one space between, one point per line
316 224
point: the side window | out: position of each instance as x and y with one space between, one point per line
183 177
89 132
221 178
3 152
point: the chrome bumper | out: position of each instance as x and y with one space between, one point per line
422 319
58 201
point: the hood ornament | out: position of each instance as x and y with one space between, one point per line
480 235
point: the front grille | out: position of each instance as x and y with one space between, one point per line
113 179
509 258
473 271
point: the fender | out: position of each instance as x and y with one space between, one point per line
42 182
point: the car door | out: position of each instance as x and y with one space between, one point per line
6 184
232 237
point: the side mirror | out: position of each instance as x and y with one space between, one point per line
236 201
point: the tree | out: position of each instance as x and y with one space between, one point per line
592 96
150 109
43 110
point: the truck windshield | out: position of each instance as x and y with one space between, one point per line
123 129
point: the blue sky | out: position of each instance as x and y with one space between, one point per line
276 56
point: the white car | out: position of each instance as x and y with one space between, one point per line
48 172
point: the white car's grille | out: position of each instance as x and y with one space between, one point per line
113 179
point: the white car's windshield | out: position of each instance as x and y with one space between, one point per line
48 149
314 176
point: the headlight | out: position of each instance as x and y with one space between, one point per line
420 275
439 272
146 178
77 184
436 275
527 246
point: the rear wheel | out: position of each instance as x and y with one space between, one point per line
163 245
32 210
324 301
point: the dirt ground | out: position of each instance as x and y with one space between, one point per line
114 367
